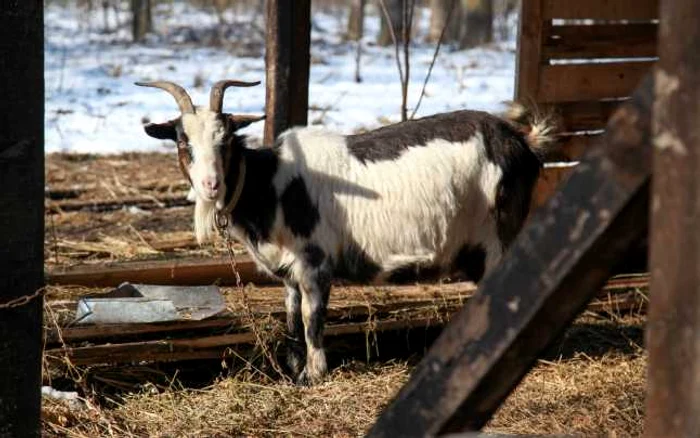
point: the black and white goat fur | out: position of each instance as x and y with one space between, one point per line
440 196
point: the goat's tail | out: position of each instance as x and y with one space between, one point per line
538 128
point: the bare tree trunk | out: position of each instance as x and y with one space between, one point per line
220 7
142 22
356 21
440 12
395 10
478 22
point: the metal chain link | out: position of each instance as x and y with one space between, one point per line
222 227
21 301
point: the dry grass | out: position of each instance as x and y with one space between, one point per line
342 406
583 396
594 387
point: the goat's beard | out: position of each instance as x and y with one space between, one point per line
204 219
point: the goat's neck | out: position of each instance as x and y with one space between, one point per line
257 200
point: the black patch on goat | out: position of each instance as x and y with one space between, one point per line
320 287
282 272
355 265
300 213
314 255
256 208
471 261
296 348
413 273
163 131
508 149
389 142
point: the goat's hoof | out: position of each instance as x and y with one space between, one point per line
295 364
306 379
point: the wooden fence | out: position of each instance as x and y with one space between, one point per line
581 59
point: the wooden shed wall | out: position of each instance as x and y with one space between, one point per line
580 59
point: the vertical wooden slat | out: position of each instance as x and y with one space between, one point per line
530 39
21 214
287 65
673 396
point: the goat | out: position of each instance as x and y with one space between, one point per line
442 195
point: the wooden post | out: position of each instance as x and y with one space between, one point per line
673 337
21 215
287 65
556 264
529 62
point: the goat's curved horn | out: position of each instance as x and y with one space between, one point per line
184 102
216 97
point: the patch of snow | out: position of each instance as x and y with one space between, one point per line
93 106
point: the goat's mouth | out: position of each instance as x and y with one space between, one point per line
208 195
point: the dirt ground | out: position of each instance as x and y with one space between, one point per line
126 207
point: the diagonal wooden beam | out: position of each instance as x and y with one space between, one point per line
553 269
673 336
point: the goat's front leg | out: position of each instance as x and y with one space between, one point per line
296 350
315 285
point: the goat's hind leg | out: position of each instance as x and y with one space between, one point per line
296 348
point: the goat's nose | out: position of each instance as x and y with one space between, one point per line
211 183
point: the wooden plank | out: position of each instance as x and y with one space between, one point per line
602 9
58 192
103 205
552 270
451 299
571 147
584 115
600 41
530 37
576 82
287 61
673 395
186 271
21 215
548 184
208 347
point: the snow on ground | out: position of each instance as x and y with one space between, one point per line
93 106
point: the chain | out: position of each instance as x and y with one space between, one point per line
222 227
21 301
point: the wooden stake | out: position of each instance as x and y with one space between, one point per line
287 58
21 215
673 397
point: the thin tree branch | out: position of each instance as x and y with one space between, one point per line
435 55
407 27
387 17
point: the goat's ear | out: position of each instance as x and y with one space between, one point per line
162 131
241 120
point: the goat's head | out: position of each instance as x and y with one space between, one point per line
204 136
